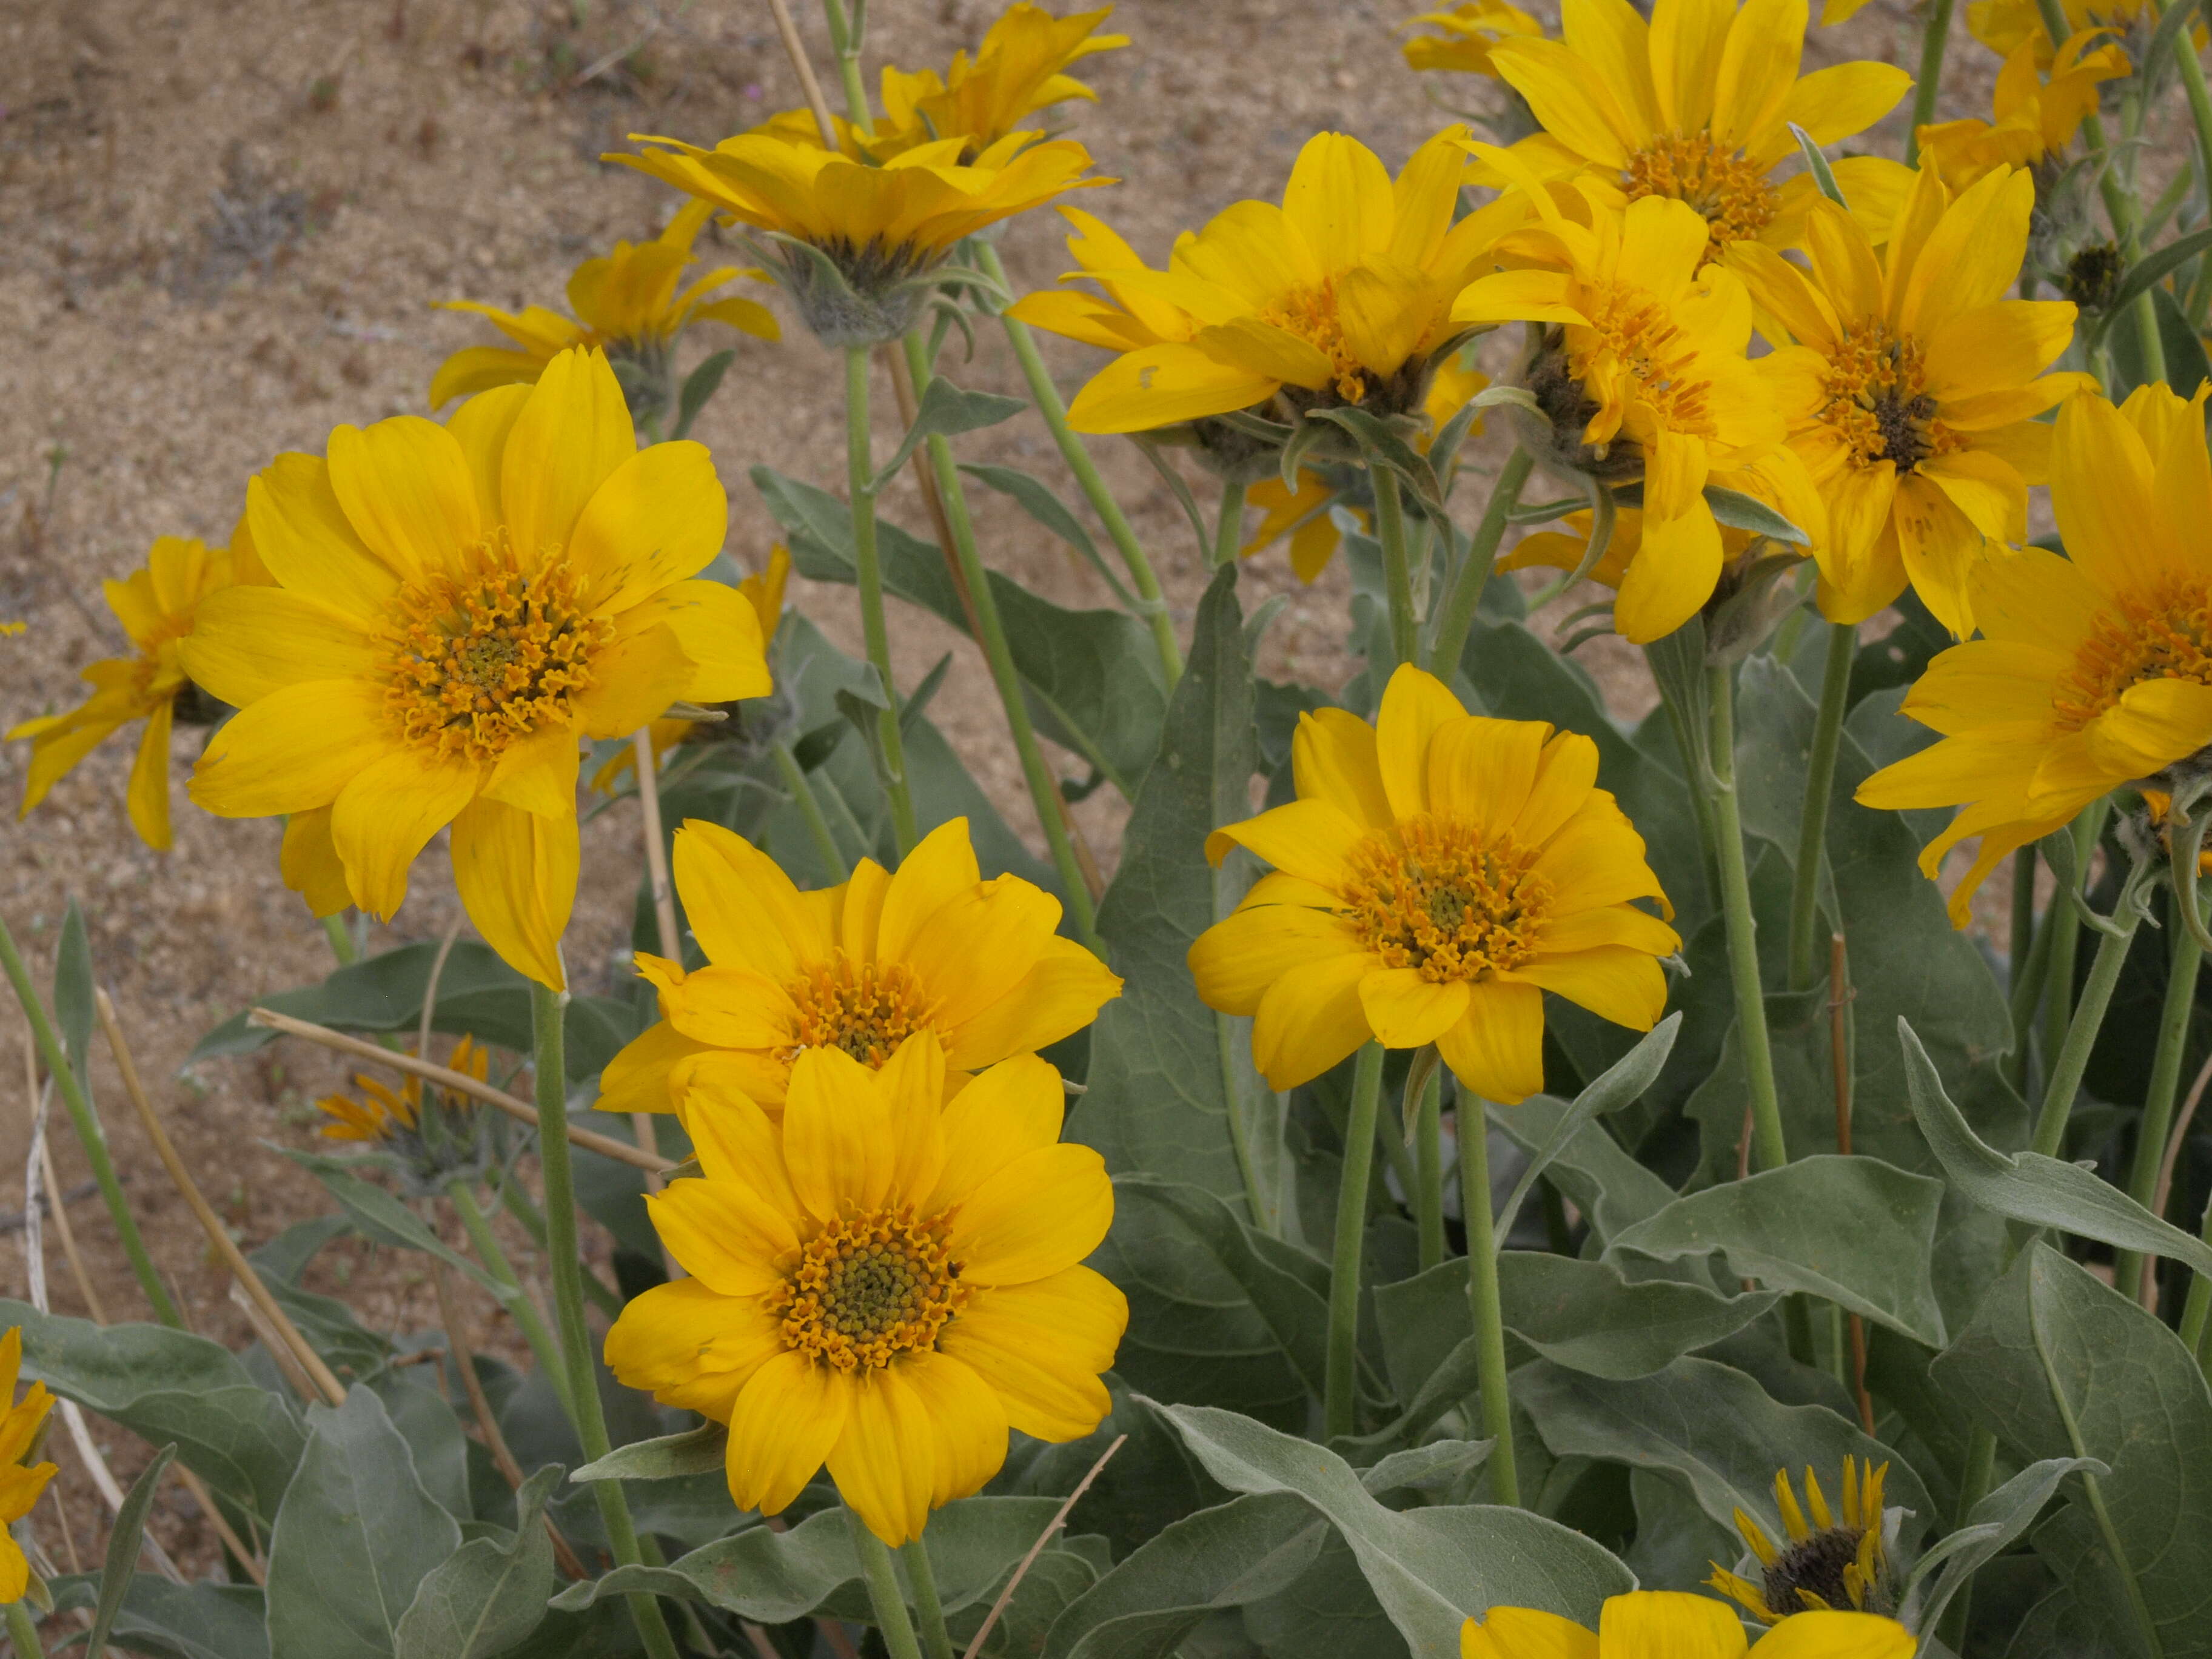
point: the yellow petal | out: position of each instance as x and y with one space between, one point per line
1570 103
1009 1109
726 1235
1339 200
1061 995
479 369
979 945
967 1421
246 642
838 1134
730 1006
1836 1636
405 487
1162 385
781 1429
538 774
1998 346
1404 1011
1332 759
1042 1346
2155 723
1673 575
1613 981
941 867
1236 960
308 543
147 798
1842 101
884 1463
481 426
1310 1019
1496 1050
1757 72
385 815
1670 1622
569 438
638 1078
688 1345
2102 492
1616 43
742 908
293 749
1043 1212
1688 38
1973 256
1566 772
735 1138
1416 705
516 875
1526 1633
310 865
717 629
661 515
1307 838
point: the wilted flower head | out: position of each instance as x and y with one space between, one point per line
428 1134
1020 69
631 304
157 605
1831 1563
2035 116
1464 35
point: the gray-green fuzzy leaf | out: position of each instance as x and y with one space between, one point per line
695 1452
125 1540
492 1593
166 1620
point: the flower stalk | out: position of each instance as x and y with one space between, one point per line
1473 574
23 1632
521 1304
89 1134
1044 789
1229 524
1726 825
2184 958
936 1640
891 1617
1049 404
1819 791
1482 1298
1341 1378
1934 40
1397 564
1424 1109
548 1012
810 810
860 474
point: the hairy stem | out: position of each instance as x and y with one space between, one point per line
861 485
1482 1300
1397 567
883 1589
1819 791
2185 956
1341 1380
1473 574
1742 928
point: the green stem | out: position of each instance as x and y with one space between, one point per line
1426 1115
2064 922
2200 98
514 1198
810 810
334 929
90 1134
1046 398
564 1258
1473 574
1397 567
1482 1301
1742 927
1044 788
1976 1476
2073 1058
936 1640
1819 789
848 50
2184 957
1933 41
2196 1327
1260 1213
883 1589
860 484
2029 978
22 1633
1229 525
2022 943
1339 1396
522 1305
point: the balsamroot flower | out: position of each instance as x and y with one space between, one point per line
2035 118
1342 296
861 968
1671 1625
457 608
1437 874
1696 105
1912 391
1466 35
1641 372
2005 25
2096 670
856 242
627 304
426 1134
1019 70
156 604
883 1283
20 1424
1828 1564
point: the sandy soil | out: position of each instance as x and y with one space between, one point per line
222 224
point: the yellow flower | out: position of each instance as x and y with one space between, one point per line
763 590
157 606
1466 35
1020 69
881 1284
1303 513
1696 106
1826 1566
860 967
627 303
387 1113
1642 372
1436 875
1342 296
2005 25
857 242
1911 391
1670 1625
457 608
2095 671
2036 117
19 1483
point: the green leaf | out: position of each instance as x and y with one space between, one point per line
1036 499
1624 1081
2027 1186
73 1011
1329 1613
1585 1315
1056 1580
1434 1466
491 1593
1851 1230
2062 1366
774 1577
1735 509
1993 1527
1383 447
202 1620
946 412
2155 266
346 1345
1432 1569
125 1540
1241 1552
696 1451
1816 164
356 1538
1606 1185
1093 677
1708 1424
380 1216
700 387
164 1385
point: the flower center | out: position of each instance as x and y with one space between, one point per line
1731 192
1636 338
1823 1573
1437 897
1876 402
2168 639
1311 313
866 1009
479 658
869 1288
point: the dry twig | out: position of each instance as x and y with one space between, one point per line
1060 1520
